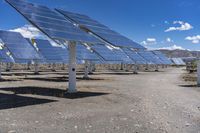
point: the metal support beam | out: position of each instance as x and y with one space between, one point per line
90 68
63 66
156 68
122 66
72 68
36 66
8 67
86 72
0 70
198 73
53 67
147 67
135 68
28 66
126 67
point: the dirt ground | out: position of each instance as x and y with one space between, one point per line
150 102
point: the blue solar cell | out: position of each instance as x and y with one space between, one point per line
110 54
4 57
135 56
83 53
50 22
150 57
178 61
51 53
100 30
162 57
19 49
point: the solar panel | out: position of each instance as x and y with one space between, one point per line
164 59
50 22
51 53
178 61
18 46
135 56
110 54
150 57
4 57
83 53
181 61
100 30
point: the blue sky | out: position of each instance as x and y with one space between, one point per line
155 23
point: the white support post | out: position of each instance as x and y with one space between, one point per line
0 71
122 66
7 67
36 65
11 66
90 69
63 66
72 68
28 66
135 69
156 68
126 66
147 67
53 67
86 72
93 67
198 74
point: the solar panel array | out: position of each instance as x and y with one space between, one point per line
109 54
135 56
164 59
100 30
19 47
150 57
50 22
66 26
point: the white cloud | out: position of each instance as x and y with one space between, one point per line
166 22
174 47
28 31
183 26
149 41
169 40
194 39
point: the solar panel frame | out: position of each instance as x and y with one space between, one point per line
114 39
36 13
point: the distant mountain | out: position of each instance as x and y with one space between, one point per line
180 53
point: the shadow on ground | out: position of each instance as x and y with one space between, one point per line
188 85
9 80
8 101
51 92
59 79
